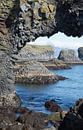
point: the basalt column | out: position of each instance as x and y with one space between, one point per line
7 89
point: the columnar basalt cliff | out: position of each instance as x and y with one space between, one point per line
24 20
7 88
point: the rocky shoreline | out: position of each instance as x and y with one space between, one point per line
55 64
30 120
33 72
22 21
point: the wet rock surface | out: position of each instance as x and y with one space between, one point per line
74 118
51 105
30 120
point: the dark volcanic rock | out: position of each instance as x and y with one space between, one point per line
71 122
51 105
36 120
80 53
22 21
22 110
7 88
69 17
79 107
74 118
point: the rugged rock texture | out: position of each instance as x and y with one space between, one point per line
69 17
22 21
29 68
56 64
46 18
7 88
80 53
74 118
43 54
33 72
35 52
68 56
30 19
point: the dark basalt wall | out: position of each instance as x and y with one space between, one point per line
31 19
24 20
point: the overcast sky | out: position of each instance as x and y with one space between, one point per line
60 40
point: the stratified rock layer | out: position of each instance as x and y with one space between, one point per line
33 72
35 52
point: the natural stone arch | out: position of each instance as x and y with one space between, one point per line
29 20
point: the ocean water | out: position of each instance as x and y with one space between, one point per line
65 93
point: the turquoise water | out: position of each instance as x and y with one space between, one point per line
64 92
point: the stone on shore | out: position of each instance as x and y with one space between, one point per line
36 120
79 107
73 120
51 105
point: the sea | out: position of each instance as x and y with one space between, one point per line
65 92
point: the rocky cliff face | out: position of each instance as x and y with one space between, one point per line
47 17
35 52
68 55
24 20
7 88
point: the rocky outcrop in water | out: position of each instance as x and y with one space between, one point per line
56 64
33 72
80 53
68 55
51 105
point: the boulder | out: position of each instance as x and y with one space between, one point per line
80 53
22 110
51 105
68 55
78 107
36 120
71 122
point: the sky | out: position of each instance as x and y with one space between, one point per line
60 40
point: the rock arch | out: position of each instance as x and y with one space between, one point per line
25 20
